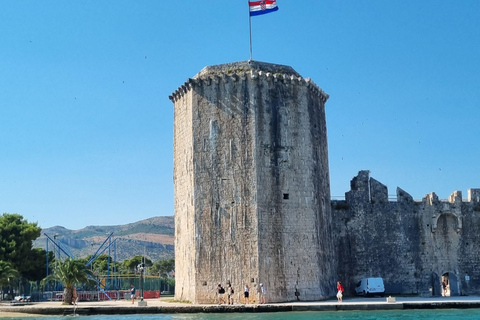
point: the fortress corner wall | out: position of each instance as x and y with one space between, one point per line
183 177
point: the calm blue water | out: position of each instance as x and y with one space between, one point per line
446 314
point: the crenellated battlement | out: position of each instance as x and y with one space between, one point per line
365 188
248 70
424 239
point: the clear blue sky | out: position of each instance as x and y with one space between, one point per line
86 123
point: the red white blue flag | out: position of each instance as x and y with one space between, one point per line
262 7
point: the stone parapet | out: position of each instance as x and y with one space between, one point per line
253 70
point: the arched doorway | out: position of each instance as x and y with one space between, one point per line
435 285
449 284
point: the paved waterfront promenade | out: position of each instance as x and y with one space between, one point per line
166 305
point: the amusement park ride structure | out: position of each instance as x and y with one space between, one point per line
60 248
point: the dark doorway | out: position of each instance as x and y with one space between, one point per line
435 285
449 281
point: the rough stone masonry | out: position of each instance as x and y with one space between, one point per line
412 245
251 181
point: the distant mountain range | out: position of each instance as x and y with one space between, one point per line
152 237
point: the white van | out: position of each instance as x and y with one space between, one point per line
370 287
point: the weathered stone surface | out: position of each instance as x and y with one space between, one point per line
410 244
251 179
252 200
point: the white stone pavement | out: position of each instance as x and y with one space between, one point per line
169 302
167 305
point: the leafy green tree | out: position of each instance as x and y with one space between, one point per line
103 262
169 284
35 269
163 267
130 265
71 273
7 273
16 246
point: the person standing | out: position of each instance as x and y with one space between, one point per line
246 293
263 294
340 291
220 292
132 293
74 296
230 294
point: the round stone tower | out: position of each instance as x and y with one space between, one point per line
252 186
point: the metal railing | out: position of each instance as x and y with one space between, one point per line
98 295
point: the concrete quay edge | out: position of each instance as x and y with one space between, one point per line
156 306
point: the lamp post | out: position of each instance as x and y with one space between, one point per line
160 282
141 268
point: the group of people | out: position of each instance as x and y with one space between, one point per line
246 294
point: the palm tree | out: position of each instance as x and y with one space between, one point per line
70 272
7 273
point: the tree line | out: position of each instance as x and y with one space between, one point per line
20 263
104 264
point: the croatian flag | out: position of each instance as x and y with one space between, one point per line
261 7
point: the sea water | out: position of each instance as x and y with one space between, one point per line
442 314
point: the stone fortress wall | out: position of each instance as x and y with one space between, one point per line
411 244
251 180
252 200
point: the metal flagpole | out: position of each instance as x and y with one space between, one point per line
250 27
